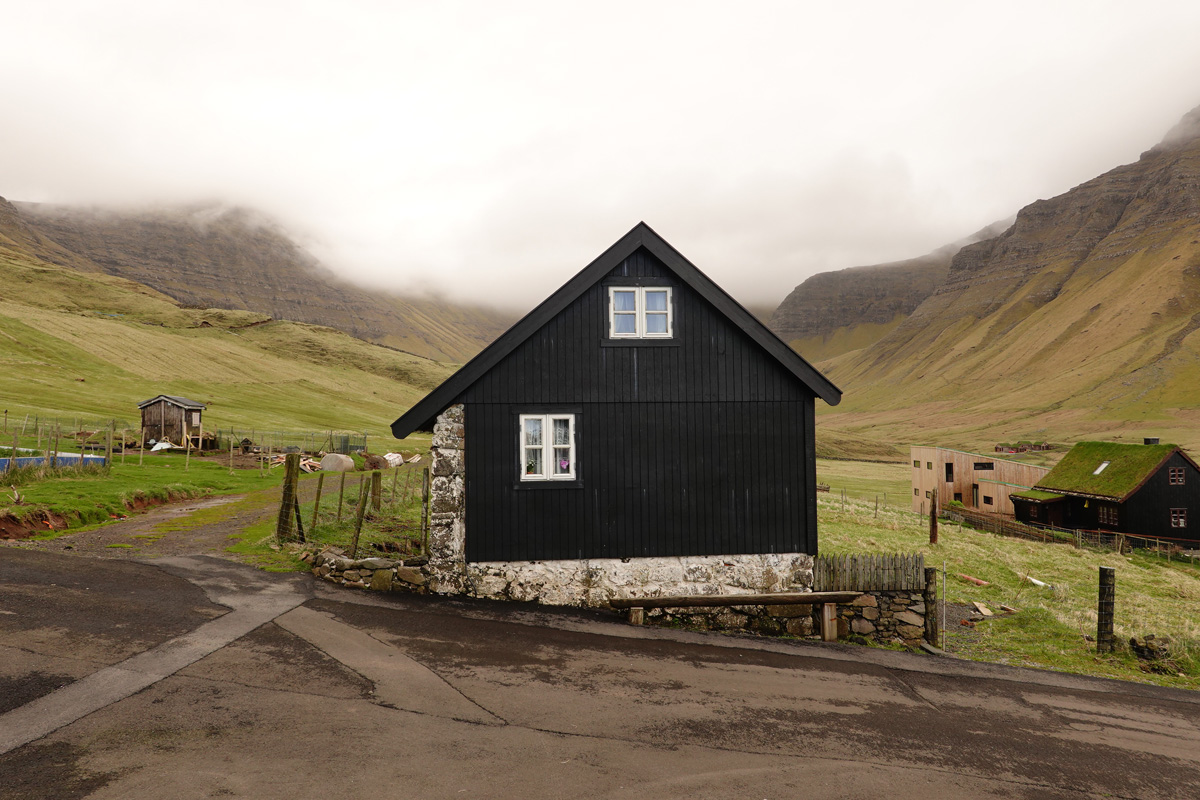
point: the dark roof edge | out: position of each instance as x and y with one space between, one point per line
174 400
423 414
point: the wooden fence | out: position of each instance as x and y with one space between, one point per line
1102 540
869 573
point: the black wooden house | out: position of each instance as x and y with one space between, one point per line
639 411
1150 490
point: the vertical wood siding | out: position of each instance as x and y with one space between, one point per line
997 483
698 445
1148 511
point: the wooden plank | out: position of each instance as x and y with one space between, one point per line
829 622
715 600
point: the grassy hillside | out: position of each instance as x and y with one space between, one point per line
88 344
212 256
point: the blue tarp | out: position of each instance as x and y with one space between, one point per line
64 459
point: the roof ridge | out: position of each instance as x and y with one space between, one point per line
640 235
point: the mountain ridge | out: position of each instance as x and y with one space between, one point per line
1082 319
832 313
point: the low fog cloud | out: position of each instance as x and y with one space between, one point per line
487 154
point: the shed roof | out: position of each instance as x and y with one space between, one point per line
422 415
1128 466
182 402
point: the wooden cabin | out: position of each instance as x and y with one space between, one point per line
975 480
172 419
1150 490
639 412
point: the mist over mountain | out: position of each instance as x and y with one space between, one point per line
1080 320
214 256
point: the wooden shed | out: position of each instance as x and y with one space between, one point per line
172 418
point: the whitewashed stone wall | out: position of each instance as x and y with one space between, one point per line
590 582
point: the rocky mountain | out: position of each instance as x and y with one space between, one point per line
1081 320
835 312
237 259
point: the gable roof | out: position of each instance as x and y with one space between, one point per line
182 402
1129 466
422 415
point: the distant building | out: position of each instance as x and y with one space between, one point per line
172 419
1022 446
977 481
1148 489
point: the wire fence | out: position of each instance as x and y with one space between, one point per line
255 440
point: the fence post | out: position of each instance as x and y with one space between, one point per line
931 600
933 532
291 478
341 496
376 490
1106 609
317 502
358 522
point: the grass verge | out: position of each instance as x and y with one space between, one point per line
95 495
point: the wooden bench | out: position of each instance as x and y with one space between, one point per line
827 600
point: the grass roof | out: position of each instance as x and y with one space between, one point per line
1129 466
1037 495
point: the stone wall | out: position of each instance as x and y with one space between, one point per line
884 617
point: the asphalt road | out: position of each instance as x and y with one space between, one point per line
193 677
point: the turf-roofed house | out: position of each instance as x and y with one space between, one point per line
639 433
1149 489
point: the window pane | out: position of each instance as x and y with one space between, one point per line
562 431
562 461
625 323
656 323
533 461
656 301
533 431
624 301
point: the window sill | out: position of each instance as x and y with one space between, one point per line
639 343
524 486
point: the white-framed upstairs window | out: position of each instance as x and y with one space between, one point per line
547 447
640 312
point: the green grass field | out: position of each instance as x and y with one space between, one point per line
1154 595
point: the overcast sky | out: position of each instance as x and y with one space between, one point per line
490 150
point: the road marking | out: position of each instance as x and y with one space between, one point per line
400 681
73 702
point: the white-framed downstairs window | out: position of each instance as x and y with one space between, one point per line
640 312
547 447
